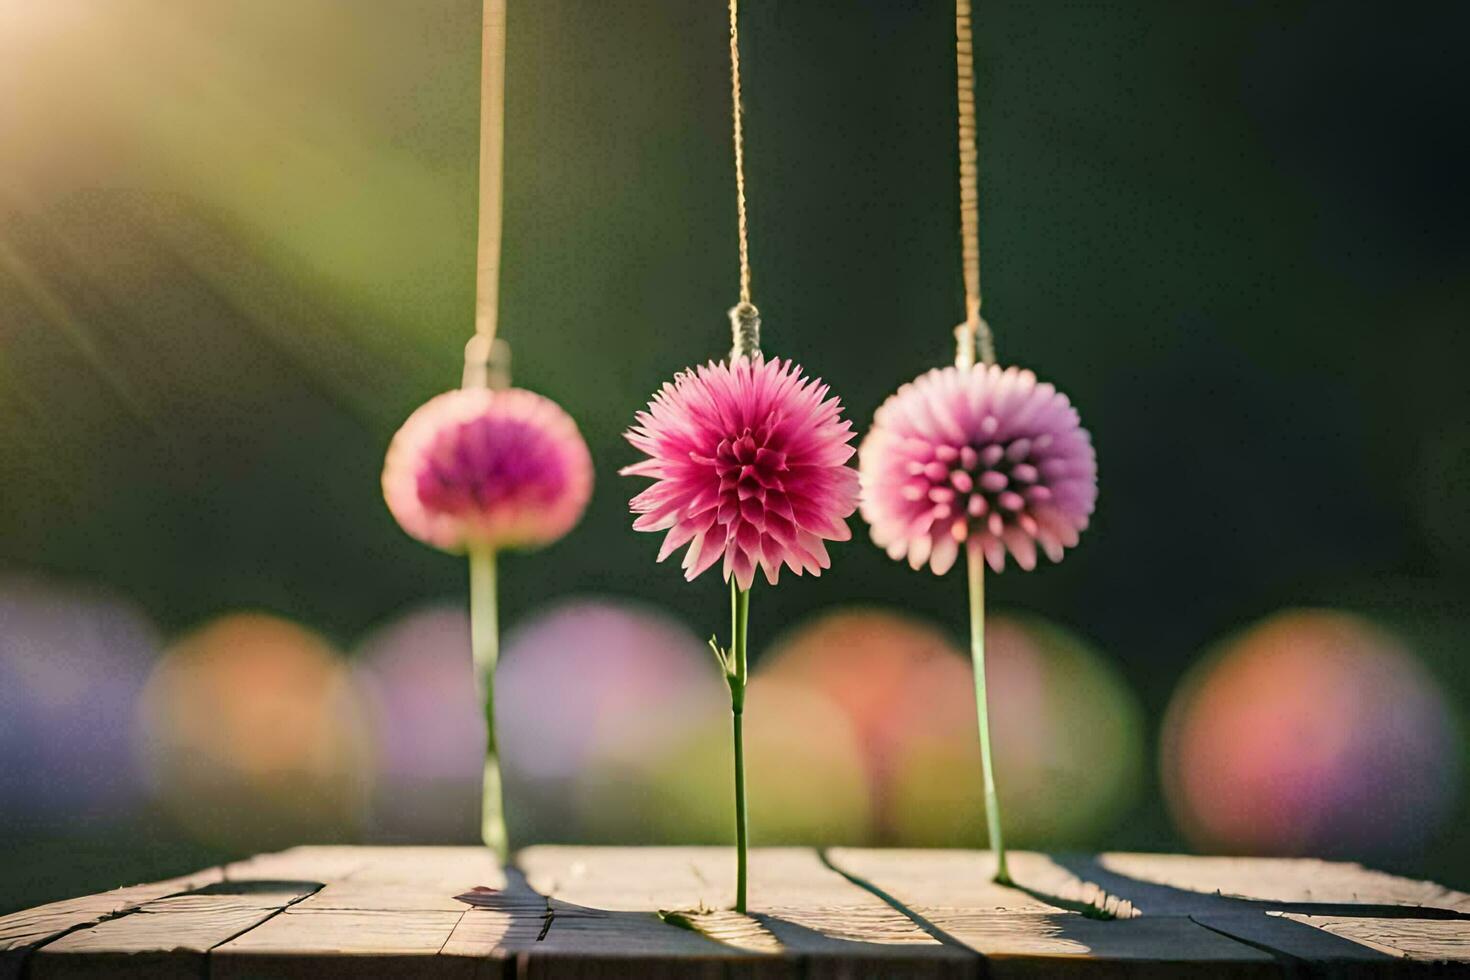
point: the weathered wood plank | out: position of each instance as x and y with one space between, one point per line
1274 881
409 879
21 932
167 937
1028 944
323 863
964 879
1036 926
570 943
1294 940
332 943
463 866
362 896
1239 897
799 907
1426 940
324 912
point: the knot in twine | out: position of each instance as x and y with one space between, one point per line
973 342
745 331
486 363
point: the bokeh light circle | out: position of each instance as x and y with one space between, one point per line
866 661
1067 731
72 662
252 734
1311 732
579 677
428 730
804 773
573 678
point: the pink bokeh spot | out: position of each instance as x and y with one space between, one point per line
986 458
1312 732
749 465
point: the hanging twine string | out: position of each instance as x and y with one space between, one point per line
973 336
745 319
486 359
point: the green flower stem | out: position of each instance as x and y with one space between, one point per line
976 564
485 644
735 675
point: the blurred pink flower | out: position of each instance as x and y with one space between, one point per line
985 457
500 468
749 463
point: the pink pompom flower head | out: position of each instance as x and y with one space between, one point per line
749 463
987 458
482 468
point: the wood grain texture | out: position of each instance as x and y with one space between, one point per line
1271 881
328 912
611 944
1038 944
342 943
166 937
1243 899
963 879
1425 940
799 907
21 932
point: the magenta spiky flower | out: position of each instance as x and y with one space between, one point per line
983 457
493 468
749 466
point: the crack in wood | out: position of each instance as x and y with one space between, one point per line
28 950
302 897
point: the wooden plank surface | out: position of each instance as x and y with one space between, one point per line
334 943
1425 940
1025 944
1039 928
328 912
555 939
965 879
386 911
1201 881
167 937
21 932
800 909
1249 900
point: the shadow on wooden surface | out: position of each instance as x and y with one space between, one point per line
320 913
1285 925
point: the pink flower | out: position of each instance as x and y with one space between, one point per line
503 469
983 457
748 461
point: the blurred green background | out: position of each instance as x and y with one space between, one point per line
237 249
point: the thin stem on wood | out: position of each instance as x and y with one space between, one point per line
485 645
976 564
736 675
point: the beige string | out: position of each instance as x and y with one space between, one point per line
745 319
739 150
974 332
486 360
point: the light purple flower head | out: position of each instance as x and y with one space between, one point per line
496 468
750 465
983 457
